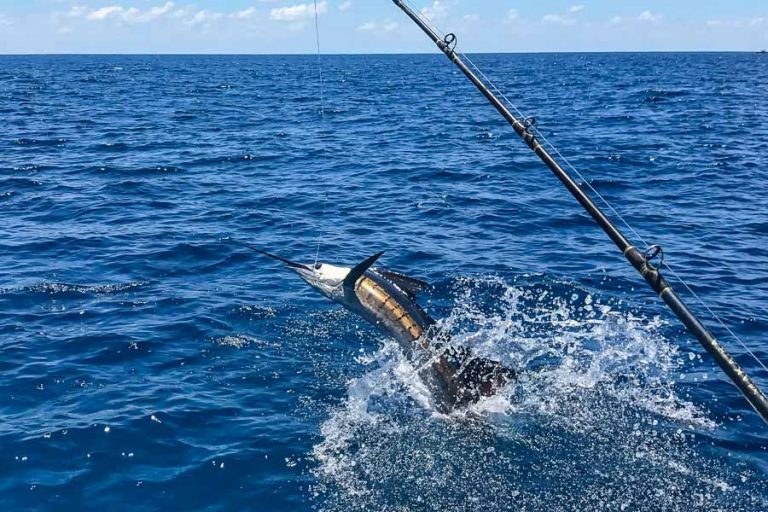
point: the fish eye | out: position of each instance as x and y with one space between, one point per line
318 265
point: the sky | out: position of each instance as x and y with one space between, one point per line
377 26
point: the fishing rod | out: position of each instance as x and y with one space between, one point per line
641 261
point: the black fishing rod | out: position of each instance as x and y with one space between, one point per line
642 261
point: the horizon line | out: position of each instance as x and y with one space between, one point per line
352 54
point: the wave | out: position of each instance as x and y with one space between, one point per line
65 289
24 141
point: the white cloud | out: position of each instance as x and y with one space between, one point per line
105 12
567 18
714 23
757 21
556 19
62 19
369 25
649 17
180 13
343 6
437 11
513 15
244 14
471 17
76 11
205 16
297 12
4 21
186 15
155 12
124 13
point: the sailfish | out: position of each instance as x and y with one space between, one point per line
387 299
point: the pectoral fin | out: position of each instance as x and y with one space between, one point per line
409 285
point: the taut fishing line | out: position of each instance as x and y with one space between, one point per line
322 118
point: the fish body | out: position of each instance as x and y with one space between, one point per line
387 300
454 377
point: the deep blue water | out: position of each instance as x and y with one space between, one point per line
145 365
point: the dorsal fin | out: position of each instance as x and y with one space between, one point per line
358 270
410 285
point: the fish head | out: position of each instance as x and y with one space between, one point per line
330 280
333 281
326 278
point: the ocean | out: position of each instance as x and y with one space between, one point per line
147 364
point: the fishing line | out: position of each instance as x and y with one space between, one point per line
605 201
320 239
319 65
322 118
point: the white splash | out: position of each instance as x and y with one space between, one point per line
595 409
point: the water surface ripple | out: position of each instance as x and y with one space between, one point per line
144 365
